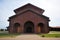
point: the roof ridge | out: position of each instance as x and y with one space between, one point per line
28 4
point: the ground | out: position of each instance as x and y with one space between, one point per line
29 37
4 35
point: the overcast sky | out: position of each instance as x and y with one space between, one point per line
51 7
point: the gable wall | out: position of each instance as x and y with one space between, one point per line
39 11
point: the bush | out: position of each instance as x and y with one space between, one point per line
43 35
6 30
1 29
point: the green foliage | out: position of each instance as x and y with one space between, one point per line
42 35
1 29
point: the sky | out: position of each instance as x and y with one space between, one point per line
51 7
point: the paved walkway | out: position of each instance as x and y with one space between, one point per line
29 37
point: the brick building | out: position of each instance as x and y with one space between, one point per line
28 19
56 28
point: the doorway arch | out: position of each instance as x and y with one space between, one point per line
41 26
16 25
28 27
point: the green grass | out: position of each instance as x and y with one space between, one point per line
50 35
8 35
53 34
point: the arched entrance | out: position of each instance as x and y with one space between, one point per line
28 27
16 25
41 26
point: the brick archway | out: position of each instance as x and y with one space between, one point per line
29 27
41 26
16 25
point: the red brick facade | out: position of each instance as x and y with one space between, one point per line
28 19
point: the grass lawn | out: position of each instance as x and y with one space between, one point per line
50 35
8 35
54 34
4 34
